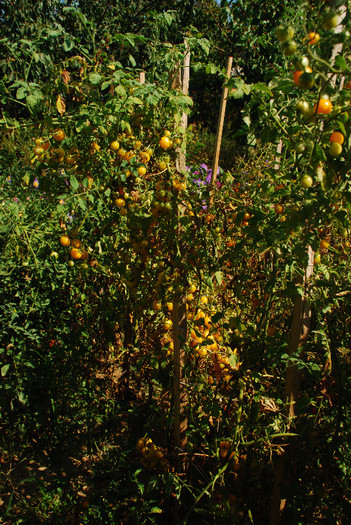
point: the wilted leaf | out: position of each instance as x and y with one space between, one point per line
66 77
60 105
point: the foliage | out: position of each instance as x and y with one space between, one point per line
103 235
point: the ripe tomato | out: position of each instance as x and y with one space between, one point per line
317 258
120 202
144 156
114 145
76 253
161 165
167 133
313 38
121 152
165 142
167 325
141 171
59 135
335 149
324 244
298 74
306 181
76 243
337 137
324 106
65 240
279 209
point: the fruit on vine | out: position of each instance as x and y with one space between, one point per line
279 209
300 63
289 48
297 74
59 135
114 145
337 137
284 33
76 243
306 181
65 240
324 106
302 106
120 202
331 19
165 142
324 244
313 38
306 80
76 253
335 149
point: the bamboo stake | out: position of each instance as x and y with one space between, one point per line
221 123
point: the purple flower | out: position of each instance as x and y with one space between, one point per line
36 183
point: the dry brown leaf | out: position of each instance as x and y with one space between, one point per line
61 105
66 77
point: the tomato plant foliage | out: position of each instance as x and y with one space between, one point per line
104 236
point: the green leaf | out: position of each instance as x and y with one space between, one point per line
95 78
73 182
4 370
340 62
68 43
105 84
21 92
262 88
132 61
33 100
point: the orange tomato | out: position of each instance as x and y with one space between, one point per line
337 137
59 135
65 240
324 106
76 253
76 243
313 38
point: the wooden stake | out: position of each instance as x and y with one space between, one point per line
221 123
179 304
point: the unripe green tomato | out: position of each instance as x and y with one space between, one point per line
302 107
331 19
289 48
344 233
284 33
300 147
335 149
306 80
306 181
300 63
71 263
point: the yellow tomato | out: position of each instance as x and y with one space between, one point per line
165 142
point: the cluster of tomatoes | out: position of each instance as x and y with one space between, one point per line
150 455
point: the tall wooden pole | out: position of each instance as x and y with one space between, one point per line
179 304
221 123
